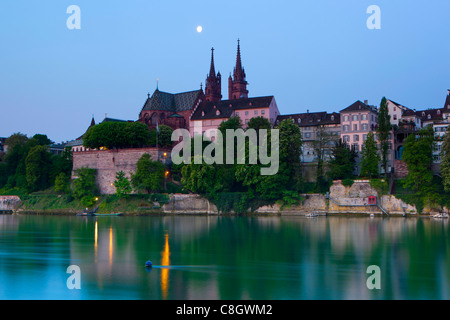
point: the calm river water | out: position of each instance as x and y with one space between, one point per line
199 257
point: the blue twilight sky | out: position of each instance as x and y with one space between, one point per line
310 54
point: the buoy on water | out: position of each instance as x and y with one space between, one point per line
148 264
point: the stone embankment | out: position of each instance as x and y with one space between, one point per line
8 203
340 200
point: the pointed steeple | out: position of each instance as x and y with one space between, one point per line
212 69
239 72
237 86
92 122
213 86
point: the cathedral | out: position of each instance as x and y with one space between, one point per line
198 111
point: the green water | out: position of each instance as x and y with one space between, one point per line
199 257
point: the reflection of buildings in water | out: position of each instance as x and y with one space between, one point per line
8 222
165 261
186 227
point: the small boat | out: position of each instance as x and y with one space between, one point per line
440 216
85 214
107 214
313 214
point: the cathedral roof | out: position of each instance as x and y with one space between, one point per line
225 108
164 101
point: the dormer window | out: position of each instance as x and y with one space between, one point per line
439 112
299 120
217 112
423 114
429 117
332 118
203 113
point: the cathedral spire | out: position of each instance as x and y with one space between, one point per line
212 69
213 86
238 71
237 86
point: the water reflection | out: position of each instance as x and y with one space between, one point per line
224 258
165 261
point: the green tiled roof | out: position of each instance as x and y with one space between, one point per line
172 102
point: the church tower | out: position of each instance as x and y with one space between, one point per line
237 86
213 87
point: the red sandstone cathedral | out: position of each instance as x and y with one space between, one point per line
207 109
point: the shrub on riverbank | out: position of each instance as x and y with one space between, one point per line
48 203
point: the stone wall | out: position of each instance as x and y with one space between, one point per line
9 203
189 204
109 162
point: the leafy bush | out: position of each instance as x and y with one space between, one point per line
348 182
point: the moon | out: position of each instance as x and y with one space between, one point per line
199 29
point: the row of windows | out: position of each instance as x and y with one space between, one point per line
356 117
255 113
364 127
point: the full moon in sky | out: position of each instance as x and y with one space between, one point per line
199 29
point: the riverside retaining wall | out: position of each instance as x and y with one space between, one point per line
341 200
9 203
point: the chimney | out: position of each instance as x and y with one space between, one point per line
448 92
366 102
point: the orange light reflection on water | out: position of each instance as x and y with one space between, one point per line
165 271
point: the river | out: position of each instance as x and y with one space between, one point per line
218 257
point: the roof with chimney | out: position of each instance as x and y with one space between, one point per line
312 118
358 106
177 102
225 108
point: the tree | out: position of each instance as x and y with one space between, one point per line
370 160
38 164
291 151
418 155
259 123
342 163
164 136
445 163
115 135
84 185
322 146
62 183
383 131
123 185
149 175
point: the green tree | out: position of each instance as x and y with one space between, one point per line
115 135
62 183
445 163
342 163
322 146
370 160
164 136
38 164
84 186
383 131
259 123
149 175
291 151
123 185
418 156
